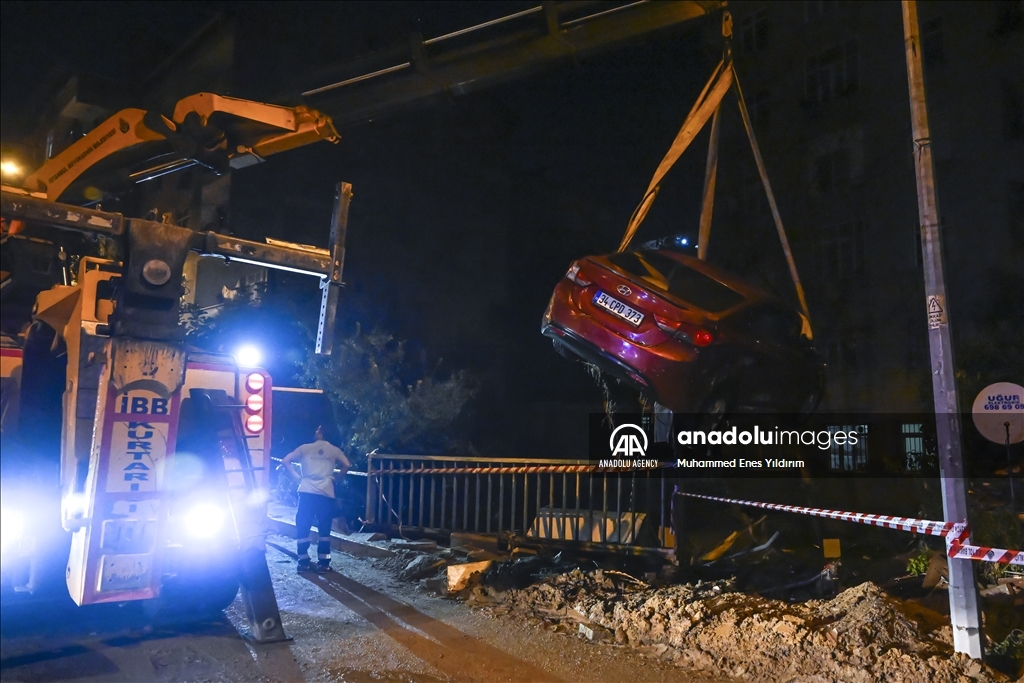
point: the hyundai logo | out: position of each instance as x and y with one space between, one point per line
624 290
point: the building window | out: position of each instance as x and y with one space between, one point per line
841 352
832 74
816 9
754 32
832 170
760 110
1015 208
942 141
933 50
849 457
917 349
913 445
754 199
1013 112
841 250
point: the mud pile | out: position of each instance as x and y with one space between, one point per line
861 635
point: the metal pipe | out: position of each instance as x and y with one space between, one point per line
486 24
512 517
357 79
476 523
490 489
601 14
465 502
433 491
526 500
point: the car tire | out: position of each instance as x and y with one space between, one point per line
716 408
809 404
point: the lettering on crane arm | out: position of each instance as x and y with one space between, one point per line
138 442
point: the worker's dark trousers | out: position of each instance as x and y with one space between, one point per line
312 507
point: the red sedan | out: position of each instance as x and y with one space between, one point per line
691 336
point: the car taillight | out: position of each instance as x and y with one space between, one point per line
573 275
691 334
702 338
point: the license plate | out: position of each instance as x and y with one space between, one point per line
124 572
630 315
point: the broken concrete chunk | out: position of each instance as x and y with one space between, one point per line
367 537
459 575
424 546
592 632
421 567
466 541
438 584
481 555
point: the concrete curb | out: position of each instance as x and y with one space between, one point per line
338 542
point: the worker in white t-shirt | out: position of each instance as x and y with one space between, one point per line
317 462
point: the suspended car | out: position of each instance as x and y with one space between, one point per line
691 336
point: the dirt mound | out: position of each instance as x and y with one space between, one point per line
861 635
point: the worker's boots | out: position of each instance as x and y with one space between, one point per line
323 566
305 566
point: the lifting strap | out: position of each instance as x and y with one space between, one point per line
708 105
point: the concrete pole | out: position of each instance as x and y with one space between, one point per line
963 594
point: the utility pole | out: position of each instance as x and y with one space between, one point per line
963 594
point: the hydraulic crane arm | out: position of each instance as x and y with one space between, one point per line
212 130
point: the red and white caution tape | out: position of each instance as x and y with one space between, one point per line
957 534
957 546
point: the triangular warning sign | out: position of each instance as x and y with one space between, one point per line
933 305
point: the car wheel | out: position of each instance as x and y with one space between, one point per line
809 404
715 409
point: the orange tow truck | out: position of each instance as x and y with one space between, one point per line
158 488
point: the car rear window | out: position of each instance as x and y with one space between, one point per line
677 279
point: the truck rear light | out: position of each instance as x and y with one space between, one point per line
573 275
254 403
255 382
254 423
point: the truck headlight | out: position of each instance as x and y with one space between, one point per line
204 520
12 527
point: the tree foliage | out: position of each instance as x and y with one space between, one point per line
388 400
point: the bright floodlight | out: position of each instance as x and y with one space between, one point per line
204 520
10 169
249 356
12 526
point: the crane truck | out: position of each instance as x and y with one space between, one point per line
158 492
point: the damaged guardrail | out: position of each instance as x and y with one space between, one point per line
541 499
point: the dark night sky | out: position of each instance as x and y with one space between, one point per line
466 211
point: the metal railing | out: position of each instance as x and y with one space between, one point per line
540 499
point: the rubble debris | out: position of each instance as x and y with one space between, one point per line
438 584
461 540
421 566
459 575
860 635
422 546
594 633
722 548
367 536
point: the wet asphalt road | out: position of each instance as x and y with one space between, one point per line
357 624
